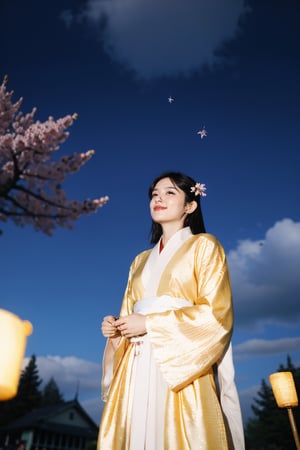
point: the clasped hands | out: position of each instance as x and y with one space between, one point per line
127 326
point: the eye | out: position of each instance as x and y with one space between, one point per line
154 194
170 192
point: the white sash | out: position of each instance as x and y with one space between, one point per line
159 304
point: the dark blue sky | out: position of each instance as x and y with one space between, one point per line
237 73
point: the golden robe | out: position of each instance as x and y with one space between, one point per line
186 343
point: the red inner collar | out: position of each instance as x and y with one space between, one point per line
161 245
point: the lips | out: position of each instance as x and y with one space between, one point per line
159 208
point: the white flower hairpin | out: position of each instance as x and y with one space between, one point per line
199 189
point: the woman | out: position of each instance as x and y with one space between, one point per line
175 326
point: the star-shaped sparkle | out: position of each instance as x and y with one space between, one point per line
202 133
170 99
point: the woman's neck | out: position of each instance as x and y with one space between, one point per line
168 232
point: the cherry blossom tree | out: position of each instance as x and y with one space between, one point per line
31 179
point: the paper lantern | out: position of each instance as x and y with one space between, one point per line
285 394
13 334
284 390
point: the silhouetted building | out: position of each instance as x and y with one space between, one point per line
56 427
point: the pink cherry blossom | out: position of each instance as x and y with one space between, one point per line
31 181
199 189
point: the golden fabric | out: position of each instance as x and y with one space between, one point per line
186 343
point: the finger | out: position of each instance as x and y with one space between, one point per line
108 325
120 321
108 318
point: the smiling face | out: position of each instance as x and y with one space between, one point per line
168 204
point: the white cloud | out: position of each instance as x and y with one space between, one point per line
156 38
71 374
265 276
259 347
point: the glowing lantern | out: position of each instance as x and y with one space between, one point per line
284 389
13 334
285 394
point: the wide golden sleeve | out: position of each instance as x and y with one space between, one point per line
112 357
188 341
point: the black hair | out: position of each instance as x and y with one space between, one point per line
195 219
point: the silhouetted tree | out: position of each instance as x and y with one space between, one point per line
29 384
28 396
270 429
51 394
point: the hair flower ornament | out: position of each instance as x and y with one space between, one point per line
199 189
